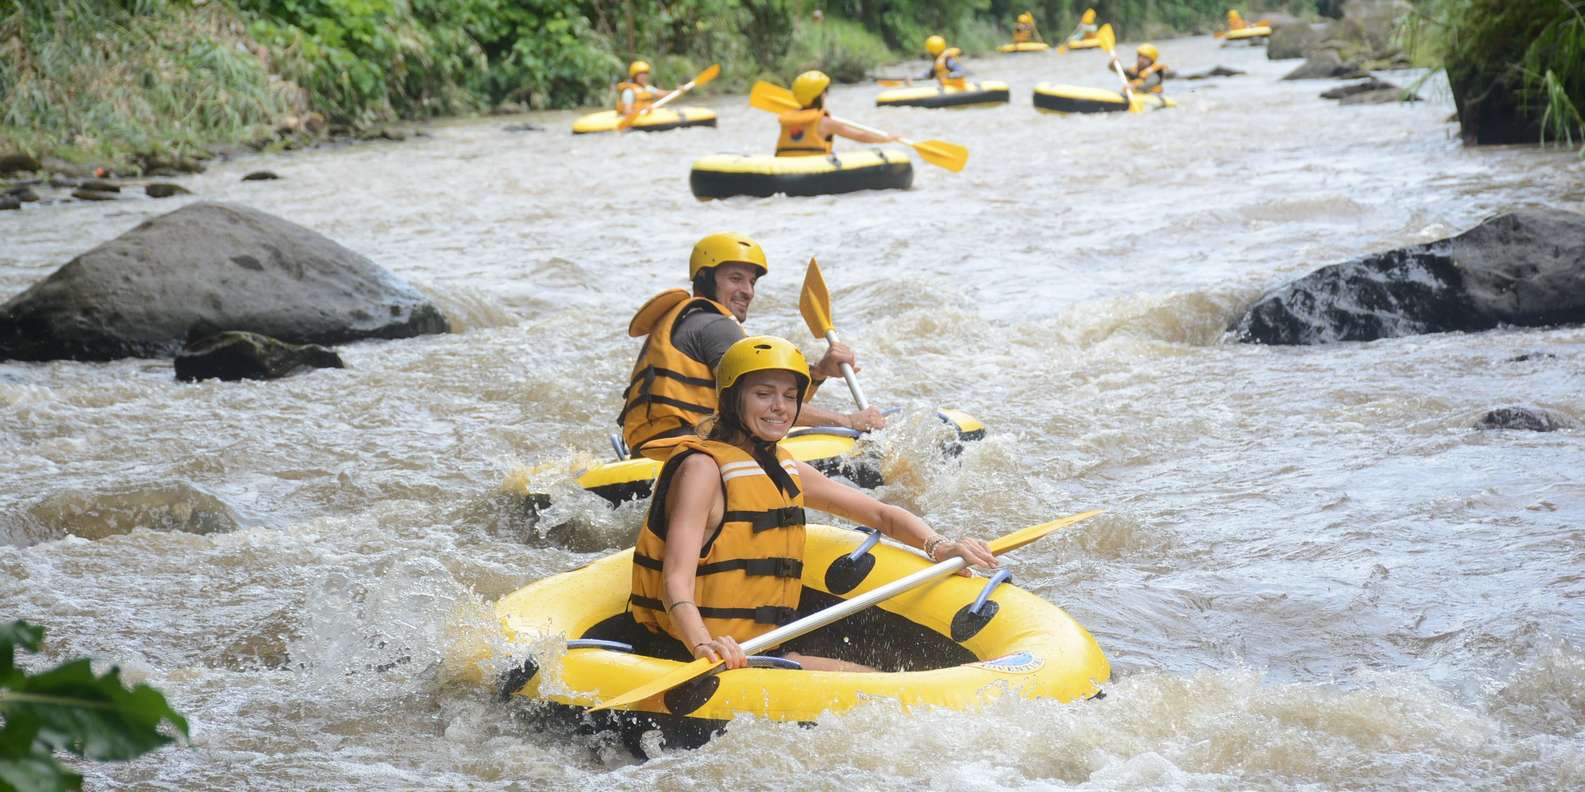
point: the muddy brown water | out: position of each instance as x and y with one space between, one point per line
1312 573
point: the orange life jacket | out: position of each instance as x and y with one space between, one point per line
643 96
801 135
944 73
1023 33
1151 78
750 574
668 391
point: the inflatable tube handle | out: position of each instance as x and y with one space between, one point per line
766 661
1002 576
619 446
867 545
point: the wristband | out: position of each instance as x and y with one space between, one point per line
931 545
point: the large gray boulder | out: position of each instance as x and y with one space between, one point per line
1526 268
1326 65
1292 41
210 267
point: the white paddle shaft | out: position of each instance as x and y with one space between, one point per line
872 131
847 374
815 621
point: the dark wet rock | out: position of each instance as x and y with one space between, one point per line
86 194
1215 71
154 164
179 507
261 176
1292 41
1491 110
1526 269
23 193
235 356
98 185
64 182
1326 65
18 163
216 266
1532 356
522 128
1380 96
1523 419
163 190
1363 86
9 203
382 134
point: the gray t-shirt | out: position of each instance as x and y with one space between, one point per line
705 336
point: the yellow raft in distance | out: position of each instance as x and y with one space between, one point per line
727 175
1081 44
975 94
654 121
828 449
1024 46
1064 99
931 647
1245 34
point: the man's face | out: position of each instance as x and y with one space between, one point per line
642 78
734 287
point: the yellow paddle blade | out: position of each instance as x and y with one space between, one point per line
1108 38
814 302
772 98
943 154
887 83
654 687
707 75
1024 536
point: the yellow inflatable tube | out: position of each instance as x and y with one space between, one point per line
1017 644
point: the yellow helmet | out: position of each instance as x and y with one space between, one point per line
727 248
1089 16
809 85
1233 17
935 45
761 353
1026 18
1150 51
636 68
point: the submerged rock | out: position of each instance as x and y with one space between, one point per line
1521 418
1526 268
1366 86
179 507
1326 65
233 355
85 194
163 190
213 266
10 203
1215 71
261 176
1389 95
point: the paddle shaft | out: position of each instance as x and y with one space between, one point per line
847 374
872 130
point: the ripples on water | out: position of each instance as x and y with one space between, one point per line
1312 573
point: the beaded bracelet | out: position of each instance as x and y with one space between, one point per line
931 545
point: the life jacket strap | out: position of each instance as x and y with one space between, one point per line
785 517
758 567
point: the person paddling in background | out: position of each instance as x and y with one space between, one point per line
672 386
1024 30
720 557
636 94
808 131
1148 74
946 69
1086 28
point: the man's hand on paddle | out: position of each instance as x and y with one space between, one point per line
830 366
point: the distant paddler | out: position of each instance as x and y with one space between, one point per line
808 131
1148 74
635 94
1085 30
672 386
945 69
1024 30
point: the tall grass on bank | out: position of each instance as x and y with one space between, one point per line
1535 48
91 79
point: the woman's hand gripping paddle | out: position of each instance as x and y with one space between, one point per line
703 78
815 621
776 99
815 304
1109 43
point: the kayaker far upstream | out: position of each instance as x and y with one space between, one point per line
672 386
720 557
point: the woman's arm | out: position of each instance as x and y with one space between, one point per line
693 503
898 523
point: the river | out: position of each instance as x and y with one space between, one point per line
1312 572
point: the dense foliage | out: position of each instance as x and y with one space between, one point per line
68 708
1533 49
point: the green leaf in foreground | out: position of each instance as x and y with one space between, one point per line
68 708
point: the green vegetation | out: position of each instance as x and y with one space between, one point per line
98 80
67 708
1519 61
